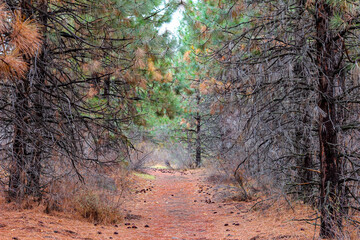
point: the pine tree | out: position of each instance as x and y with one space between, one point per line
75 70
288 67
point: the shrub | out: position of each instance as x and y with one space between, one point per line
92 206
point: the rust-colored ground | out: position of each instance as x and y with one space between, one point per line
175 205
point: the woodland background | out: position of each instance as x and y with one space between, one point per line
265 90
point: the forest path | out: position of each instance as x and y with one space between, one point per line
169 204
179 205
184 205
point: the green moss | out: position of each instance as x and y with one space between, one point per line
145 176
158 166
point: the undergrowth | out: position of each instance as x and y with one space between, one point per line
99 199
97 208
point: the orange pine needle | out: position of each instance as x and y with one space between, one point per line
13 65
4 15
26 36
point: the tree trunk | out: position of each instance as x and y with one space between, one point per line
302 135
17 176
25 172
198 134
198 141
328 62
189 148
34 171
20 156
304 161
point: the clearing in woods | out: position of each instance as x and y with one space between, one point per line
171 205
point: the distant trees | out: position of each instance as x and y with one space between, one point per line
290 76
72 73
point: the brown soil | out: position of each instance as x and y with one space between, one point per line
176 205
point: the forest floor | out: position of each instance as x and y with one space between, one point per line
169 205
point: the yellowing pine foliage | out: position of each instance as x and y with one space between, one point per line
237 10
25 36
194 85
203 28
151 66
157 76
93 91
203 87
128 78
218 86
187 56
139 58
142 83
183 121
139 64
216 107
140 53
24 40
12 65
4 16
168 77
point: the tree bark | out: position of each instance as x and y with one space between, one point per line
198 141
25 170
328 62
304 163
34 171
17 176
302 136
198 134
39 68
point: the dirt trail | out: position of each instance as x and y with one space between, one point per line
178 207
181 205
174 205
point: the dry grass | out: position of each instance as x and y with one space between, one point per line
99 200
247 190
271 207
97 208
